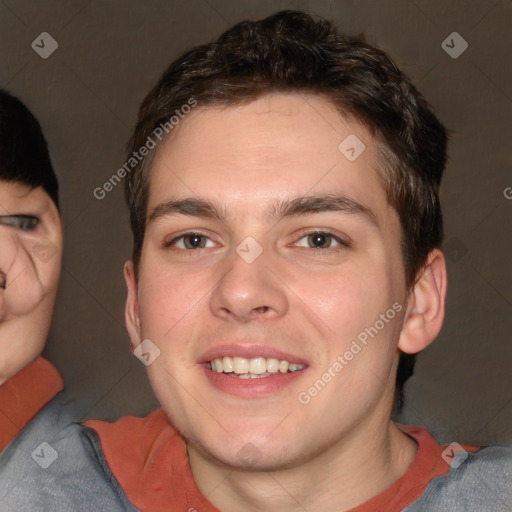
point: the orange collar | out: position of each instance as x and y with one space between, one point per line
148 458
24 395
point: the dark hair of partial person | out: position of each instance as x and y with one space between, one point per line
297 52
24 156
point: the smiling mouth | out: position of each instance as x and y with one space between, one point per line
255 368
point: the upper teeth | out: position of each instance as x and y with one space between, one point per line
257 365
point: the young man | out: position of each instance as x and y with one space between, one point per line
287 235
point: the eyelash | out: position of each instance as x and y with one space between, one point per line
342 243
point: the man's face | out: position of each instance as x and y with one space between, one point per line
30 257
307 282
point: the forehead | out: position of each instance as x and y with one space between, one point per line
16 196
277 146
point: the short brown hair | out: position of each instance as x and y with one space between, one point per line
293 51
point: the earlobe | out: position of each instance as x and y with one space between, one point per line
131 312
425 313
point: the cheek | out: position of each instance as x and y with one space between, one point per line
45 253
330 302
345 299
168 301
49 271
347 306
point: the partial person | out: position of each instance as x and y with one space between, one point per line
30 260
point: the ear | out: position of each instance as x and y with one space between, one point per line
425 312
131 311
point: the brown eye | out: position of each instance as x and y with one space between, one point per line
319 240
190 241
322 240
194 241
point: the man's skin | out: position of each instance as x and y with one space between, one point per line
341 448
30 259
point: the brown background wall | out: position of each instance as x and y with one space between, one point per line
86 95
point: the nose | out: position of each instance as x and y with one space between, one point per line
248 291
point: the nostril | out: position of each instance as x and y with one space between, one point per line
262 309
3 280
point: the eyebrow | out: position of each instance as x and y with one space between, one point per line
298 206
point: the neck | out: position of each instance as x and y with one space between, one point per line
353 470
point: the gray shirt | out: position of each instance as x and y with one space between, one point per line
57 465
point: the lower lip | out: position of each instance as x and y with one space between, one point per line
251 388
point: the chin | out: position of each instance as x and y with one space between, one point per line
250 451
248 457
